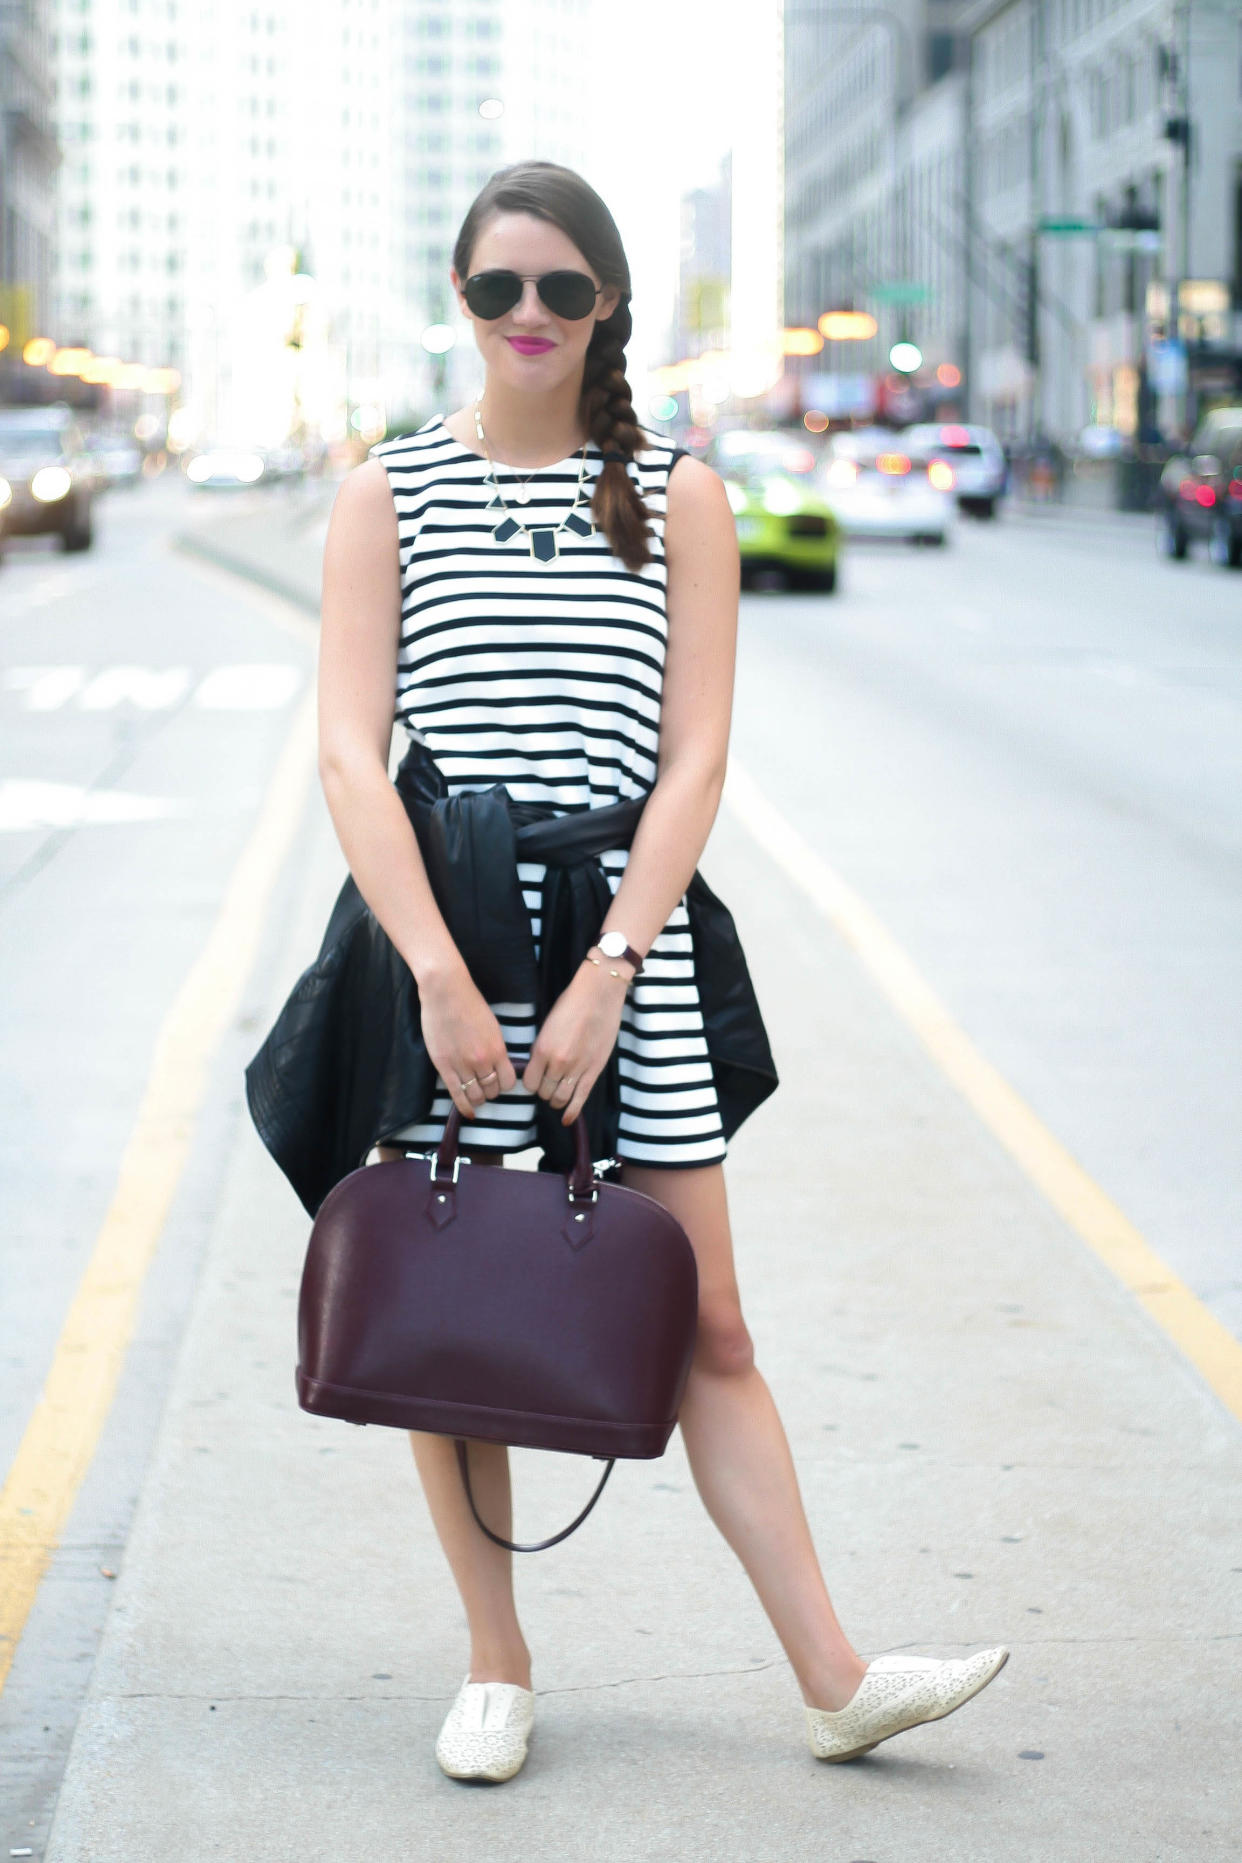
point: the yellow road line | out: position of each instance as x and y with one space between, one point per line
60 1439
1211 1349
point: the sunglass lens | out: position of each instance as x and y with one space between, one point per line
568 294
491 294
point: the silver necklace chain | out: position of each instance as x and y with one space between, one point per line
541 537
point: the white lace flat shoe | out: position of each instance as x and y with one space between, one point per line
485 1732
899 1691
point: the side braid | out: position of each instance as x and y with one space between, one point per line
608 408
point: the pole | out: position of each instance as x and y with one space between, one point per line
970 399
1035 403
1188 397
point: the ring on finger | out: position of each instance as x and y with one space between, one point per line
472 1082
492 1075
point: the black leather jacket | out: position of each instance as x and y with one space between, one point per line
344 1065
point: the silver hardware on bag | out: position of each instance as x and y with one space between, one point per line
456 1169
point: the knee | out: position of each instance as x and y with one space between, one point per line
723 1346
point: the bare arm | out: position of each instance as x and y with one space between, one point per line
703 580
361 623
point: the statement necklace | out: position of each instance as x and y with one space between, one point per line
543 544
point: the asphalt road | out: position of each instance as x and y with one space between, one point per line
1026 755
1024 752
144 698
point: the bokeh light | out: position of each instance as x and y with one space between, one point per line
847 326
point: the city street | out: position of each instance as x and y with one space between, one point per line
1023 754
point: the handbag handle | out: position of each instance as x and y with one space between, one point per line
581 1185
581 1179
463 1463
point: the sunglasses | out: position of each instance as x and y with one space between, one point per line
567 294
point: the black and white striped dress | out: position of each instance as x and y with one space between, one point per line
547 677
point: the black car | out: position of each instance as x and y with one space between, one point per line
47 479
1201 492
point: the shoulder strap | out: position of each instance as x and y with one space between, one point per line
463 1462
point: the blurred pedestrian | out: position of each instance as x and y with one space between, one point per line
548 594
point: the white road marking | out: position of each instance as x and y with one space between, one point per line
25 805
143 686
45 688
50 588
248 686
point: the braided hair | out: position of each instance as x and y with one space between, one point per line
556 194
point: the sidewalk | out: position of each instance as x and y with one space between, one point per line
994 1443
274 537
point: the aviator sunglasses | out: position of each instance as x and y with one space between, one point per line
570 295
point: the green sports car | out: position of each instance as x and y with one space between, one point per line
783 523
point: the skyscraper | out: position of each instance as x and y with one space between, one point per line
248 179
28 162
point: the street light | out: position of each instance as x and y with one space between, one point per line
847 326
438 338
906 358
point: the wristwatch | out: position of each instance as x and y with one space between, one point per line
615 944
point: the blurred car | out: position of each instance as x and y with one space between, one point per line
46 477
784 522
879 490
225 468
116 458
1201 492
284 462
975 455
1101 442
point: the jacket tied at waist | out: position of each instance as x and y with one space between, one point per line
344 1065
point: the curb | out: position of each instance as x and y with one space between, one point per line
227 543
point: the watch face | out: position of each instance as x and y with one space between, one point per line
612 944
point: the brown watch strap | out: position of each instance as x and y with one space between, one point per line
629 954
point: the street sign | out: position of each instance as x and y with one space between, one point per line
899 291
1067 227
1128 239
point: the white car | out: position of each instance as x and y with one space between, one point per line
225 467
877 489
977 459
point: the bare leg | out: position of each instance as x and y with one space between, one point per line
739 1453
483 1572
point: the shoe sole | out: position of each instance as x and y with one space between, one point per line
919 1720
476 1777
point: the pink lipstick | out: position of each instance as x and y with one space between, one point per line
529 345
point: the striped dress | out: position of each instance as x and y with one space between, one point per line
547 677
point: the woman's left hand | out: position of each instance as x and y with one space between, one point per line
580 1033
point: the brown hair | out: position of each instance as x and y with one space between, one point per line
558 195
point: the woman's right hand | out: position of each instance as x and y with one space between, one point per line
464 1040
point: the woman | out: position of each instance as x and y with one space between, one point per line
554 607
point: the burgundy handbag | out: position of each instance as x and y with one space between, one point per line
522 1307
